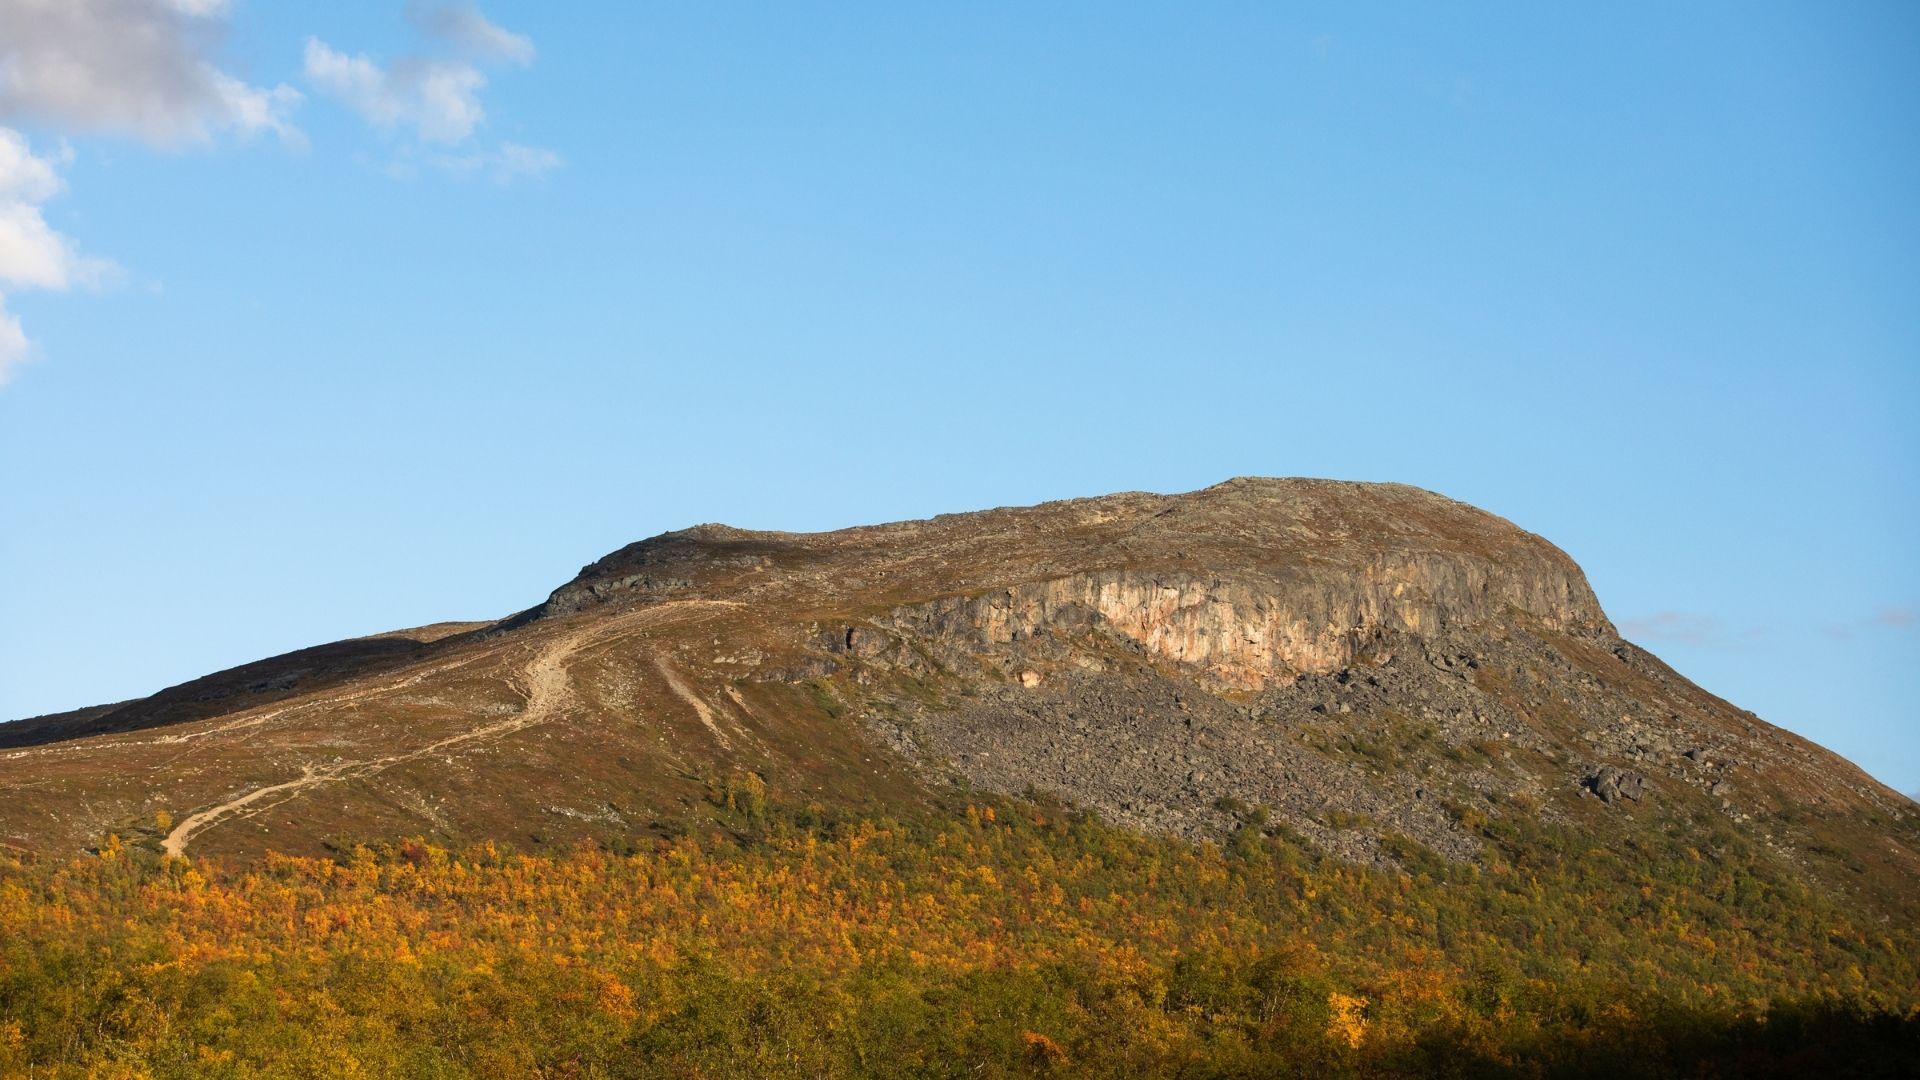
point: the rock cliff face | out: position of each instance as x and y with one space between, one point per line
1372 665
1244 632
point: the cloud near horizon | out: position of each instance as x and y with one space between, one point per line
1892 617
1686 627
1694 628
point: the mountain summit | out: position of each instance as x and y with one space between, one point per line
1374 668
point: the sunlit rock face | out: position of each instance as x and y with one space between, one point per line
1244 631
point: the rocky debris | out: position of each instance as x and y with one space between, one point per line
1612 785
1408 740
1347 758
1158 753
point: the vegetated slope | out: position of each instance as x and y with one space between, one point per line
1009 939
1371 665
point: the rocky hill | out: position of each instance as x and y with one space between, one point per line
1374 669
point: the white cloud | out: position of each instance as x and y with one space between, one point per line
147 69
439 100
32 254
141 68
470 32
433 101
13 343
23 174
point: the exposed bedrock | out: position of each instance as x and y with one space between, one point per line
1244 631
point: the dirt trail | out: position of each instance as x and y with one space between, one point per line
546 686
547 691
686 693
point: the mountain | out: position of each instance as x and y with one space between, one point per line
1370 664
1281 777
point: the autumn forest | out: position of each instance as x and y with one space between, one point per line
995 938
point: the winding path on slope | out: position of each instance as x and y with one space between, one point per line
547 690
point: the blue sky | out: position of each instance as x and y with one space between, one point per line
342 318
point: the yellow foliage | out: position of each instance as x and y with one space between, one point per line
1042 1052
783 954
1346 1019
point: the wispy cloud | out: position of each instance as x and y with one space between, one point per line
1685 627
463 27
504 164
433 101
1898 618
439 101
1694 628
1893 617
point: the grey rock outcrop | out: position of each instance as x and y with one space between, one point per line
1613 785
